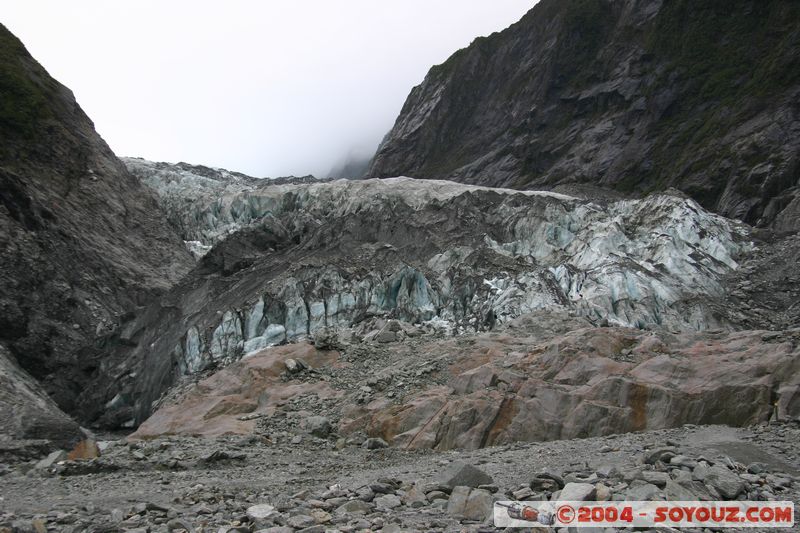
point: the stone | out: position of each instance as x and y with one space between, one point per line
177 524
354 507
606 471
664 454
318 426
374 443
641 491
414 498
523 493
387 501
700 472
300 521
683 461
464 474
727 483
261 511
479 505
676 492
385 336
602 492
577 492
86 449
659 479
458 501
51 459
436 495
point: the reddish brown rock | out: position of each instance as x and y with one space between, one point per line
86 449
252 386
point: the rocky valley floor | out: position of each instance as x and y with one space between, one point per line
250 483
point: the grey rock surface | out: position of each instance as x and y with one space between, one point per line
84 242
463 474
602 97
28 413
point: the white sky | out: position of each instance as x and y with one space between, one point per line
270 87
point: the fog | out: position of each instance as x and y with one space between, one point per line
270 88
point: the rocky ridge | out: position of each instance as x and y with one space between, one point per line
589 96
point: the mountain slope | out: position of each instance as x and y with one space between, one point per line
625 95
83 241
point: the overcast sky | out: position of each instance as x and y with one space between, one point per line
269 88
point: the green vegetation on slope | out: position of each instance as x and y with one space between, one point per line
23 103
732 58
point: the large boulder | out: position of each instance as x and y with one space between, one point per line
26 412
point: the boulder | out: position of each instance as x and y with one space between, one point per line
52 459
86 449
641 491
458 501
261 511
27 412
387 502
578 492
727 483
464 474
318 426
479 505
354 507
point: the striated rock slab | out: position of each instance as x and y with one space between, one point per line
251 387
594 382
515 384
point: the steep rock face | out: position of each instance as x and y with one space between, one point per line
623 95
311 257
83 241
26 412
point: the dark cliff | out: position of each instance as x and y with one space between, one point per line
83 241
626 95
